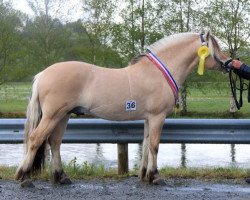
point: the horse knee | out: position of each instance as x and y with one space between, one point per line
154 149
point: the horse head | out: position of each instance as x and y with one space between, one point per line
216 58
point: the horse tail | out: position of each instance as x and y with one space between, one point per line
34 115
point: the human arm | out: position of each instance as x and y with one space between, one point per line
241 69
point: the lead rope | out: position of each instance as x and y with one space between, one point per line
234 88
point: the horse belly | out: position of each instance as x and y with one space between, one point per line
112 99
117 111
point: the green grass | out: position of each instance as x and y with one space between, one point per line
14 97
75 172
7 172
13 105
216 173
90 171
207 100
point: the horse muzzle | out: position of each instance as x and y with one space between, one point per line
227 65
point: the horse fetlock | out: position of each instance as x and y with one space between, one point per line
142 174
65 181
19 174
59 177
22 174
151 175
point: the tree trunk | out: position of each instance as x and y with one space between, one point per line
142 27
184 100
232 105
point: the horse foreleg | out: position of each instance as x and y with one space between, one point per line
58 176
155 128
144 159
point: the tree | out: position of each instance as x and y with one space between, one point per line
230 21
183 16
80 47
46 37
98 19
137 28
10 40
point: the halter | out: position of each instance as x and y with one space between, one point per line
228 67
166 74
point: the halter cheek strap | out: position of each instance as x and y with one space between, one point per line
203 42
166 74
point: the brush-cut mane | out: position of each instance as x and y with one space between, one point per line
170 40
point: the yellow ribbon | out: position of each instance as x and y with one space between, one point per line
203 52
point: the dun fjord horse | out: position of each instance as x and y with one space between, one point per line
143 90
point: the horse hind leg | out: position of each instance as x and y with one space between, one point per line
58 176
36 142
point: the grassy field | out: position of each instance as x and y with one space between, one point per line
208 100
87 171
14 97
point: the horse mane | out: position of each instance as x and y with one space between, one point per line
137 58
213 43
170 39
158 45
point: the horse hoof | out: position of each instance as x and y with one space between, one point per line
65 181
27 184
247 180
159 181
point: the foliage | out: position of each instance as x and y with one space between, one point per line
216 173
45 36
49 36
7 172
98 20
85 169
10 43
137 28
232 24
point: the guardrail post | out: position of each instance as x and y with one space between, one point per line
122 151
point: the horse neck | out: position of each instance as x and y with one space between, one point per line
180 58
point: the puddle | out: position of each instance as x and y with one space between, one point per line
91 187
215 188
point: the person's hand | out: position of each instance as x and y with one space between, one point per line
236 64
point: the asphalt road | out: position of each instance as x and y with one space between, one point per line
128 188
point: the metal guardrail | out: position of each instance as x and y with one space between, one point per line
227 131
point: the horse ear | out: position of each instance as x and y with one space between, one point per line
207 35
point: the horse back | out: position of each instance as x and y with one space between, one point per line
117 94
